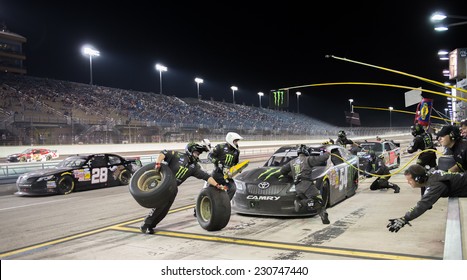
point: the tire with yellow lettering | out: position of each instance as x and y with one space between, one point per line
213 208
151 188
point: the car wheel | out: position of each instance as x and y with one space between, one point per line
124 177
65 185
213 209
49 157
326 193
22 159
151 188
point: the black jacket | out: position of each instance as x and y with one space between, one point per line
439 184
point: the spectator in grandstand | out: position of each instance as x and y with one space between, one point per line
422 141
381 169
308 195
177 161
437 183
449 137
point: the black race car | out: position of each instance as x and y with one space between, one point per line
388 148
80 172
263 191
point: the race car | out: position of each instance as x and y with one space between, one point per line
80 172
264 191
388 148
33 154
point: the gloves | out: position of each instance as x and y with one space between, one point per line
157 166
221 187
396 224
227 173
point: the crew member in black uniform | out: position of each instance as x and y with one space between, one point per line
382 182
422 141
183 165
438 184
308 195
224 156
450 137
342 139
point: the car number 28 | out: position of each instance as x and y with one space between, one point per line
99 175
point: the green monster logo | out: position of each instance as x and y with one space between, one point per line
229 159
270 172
278 98
181 172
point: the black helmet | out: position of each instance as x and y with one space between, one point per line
341 134
191 148
417 129
303 149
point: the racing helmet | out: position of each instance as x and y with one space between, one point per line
417 129
206 144
191 148
231 137
303 149
341 134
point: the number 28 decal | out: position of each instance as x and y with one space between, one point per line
99 175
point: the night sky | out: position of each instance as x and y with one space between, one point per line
254 47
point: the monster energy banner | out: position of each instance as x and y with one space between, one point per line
279 99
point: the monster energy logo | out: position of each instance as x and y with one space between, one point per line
278 98
181 172
269 172
229 159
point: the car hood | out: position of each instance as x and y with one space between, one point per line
273 175
46 172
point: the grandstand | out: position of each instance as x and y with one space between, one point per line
37 111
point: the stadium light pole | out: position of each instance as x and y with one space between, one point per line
198 81
390 117
90 51
233 88
160 68
351 111
298 101
260 94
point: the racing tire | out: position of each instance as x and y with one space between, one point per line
65 185
22 159
213 209
326 194
124 177
151 188
49 157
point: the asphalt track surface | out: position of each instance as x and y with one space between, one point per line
104 224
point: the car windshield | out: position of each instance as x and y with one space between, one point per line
377 147
280 159
27 151
72 162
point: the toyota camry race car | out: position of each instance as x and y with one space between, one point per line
33 154
264 191
80 172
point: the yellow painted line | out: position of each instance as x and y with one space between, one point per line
231 240
282 246
76 236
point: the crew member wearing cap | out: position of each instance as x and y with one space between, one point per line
450 137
